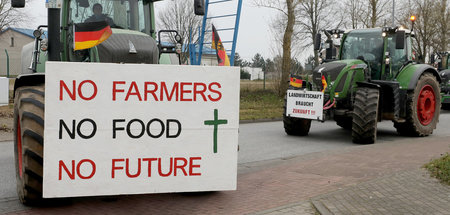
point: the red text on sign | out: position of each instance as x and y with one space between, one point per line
72 173
162 91
177 166
72 93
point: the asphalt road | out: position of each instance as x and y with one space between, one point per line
258 142
265 141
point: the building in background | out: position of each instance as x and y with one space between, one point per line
12 40
255 73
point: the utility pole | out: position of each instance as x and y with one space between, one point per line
393 13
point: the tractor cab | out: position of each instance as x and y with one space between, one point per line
131 15
131 23
379 49
132 38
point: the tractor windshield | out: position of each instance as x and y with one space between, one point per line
123 14
366 45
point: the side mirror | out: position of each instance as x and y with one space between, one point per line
199 7
317 41
17 3
400 40
329 50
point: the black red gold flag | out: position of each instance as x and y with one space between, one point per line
296 82
90 34
222 56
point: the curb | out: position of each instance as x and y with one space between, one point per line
247 121
321 208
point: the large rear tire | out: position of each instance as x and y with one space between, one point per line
365 115
28 142
422 108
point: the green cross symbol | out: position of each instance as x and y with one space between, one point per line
216 122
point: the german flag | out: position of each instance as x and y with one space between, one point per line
324 83
296 82
222 56
90 34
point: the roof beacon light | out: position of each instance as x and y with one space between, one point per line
413 19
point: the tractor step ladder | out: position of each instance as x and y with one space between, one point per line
237 16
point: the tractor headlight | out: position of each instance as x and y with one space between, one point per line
178 38
37 33
178 48
44 45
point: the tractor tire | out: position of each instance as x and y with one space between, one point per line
28 143
422 108
344 122
295 126
365 115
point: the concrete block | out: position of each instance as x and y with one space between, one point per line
4 91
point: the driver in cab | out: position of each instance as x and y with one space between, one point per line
99 16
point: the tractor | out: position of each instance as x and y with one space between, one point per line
442 62
133 40
373 78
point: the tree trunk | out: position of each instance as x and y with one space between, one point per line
373 20
443 26
287 41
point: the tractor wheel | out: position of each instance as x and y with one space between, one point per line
295 126
28 142
344 122
365 115
422 108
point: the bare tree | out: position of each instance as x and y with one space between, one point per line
352 12
374 12
287 9
431 26
425 27
442 20
179 15
9 16
313 15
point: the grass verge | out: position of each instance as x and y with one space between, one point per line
260 104
440 168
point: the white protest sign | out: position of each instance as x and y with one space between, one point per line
4 91
134 128
304 104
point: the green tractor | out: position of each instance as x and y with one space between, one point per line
133 40
442 62
373 78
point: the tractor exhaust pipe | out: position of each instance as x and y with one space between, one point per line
54 26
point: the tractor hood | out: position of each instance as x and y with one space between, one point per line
332 70
126 46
